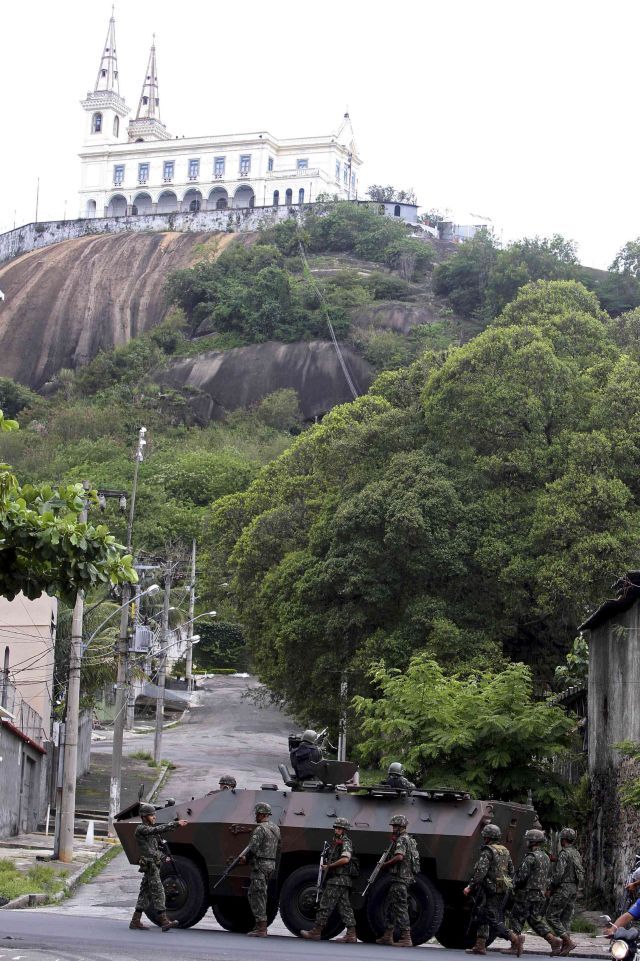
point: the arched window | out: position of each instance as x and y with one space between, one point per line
134 211
252 201
194 206
116 126
301 195
288 197
276 198
96 123
221 203
396 210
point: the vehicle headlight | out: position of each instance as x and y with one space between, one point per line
619 949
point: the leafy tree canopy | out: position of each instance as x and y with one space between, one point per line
391 194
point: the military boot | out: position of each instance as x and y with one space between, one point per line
480 947
260 930
313 934
404 941
349 938
517 943
567 945
136 922
556 944
165 923
386 938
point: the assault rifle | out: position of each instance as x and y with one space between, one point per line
323 860
234 864
378 868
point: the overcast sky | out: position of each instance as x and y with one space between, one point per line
523 112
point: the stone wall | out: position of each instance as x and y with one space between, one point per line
35 236
613 836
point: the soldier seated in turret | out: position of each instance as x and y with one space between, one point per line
305 756
395 778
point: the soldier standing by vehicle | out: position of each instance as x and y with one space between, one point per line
530 885
490 884
395 778
336 891
403 867
227 782
148 835
263 850
567 874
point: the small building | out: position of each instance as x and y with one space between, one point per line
613 717
27 633
451 232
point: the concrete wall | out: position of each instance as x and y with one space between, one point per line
23 775
27 634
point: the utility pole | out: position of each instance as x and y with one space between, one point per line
157 741
192 603
123 656
70 762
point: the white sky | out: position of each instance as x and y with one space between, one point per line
525 112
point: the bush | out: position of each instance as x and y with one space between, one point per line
281 410
15 397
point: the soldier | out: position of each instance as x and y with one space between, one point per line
263 850
400 864
336 890
567 875
148 836
227 782
490 883
395 778
530 885
305 755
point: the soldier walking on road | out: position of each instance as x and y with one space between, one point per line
530 886
336 891
147 836
490 885
263 851
401 863
567 874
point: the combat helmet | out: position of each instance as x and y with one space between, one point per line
568 834
228 779
262 808
534 836
309 736
342 823
146 809
399 820
491 832
396 768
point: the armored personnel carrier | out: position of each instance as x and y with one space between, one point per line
445 823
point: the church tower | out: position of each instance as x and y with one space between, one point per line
105 108
147 125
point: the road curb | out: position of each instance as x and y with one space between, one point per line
155 787
70 883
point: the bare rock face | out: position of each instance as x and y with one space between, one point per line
243 376
397 315
66 303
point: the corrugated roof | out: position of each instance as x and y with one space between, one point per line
628 588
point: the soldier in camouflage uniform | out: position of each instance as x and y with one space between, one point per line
263 851
567 874
148 836
227 782
490 884
396 906
336 890
530 886
395 778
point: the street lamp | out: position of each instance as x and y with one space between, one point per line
149 591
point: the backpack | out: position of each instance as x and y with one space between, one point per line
353 868
414 854
504 881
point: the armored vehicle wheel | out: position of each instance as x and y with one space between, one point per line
298 903
456 931
234 914
363 929
186 892
426 908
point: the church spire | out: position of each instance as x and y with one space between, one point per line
108 72
149 106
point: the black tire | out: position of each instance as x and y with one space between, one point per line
456 930
363 929
234 914
186 892
426 908
298 903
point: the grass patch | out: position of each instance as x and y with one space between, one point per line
142 756
94 869
582 925
146 756
39 879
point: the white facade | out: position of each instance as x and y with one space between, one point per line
143 170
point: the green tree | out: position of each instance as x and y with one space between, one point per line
627 260
485 732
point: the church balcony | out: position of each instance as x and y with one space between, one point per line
295 172
194 177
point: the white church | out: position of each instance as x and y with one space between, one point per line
140 168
